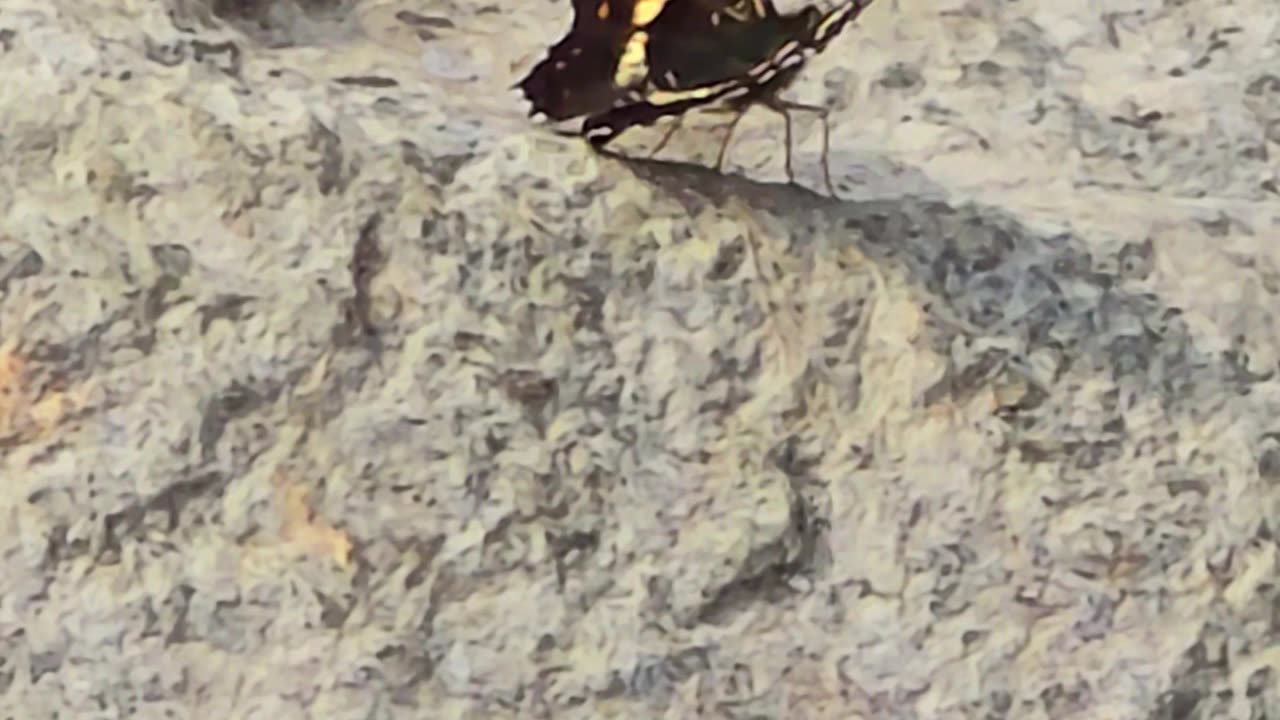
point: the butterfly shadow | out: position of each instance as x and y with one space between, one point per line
980 272
863 180
1007 304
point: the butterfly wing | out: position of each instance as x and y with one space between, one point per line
689 78
576 77
701 42
581 73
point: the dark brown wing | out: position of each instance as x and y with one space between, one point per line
792 47
699 42
576 77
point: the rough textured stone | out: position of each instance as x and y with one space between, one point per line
332 387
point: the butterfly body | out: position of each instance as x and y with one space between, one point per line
626 63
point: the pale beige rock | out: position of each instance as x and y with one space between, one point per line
332 386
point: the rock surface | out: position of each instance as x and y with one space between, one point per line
332 387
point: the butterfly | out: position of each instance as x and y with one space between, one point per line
626 63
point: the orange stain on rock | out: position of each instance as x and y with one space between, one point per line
26 412
303 529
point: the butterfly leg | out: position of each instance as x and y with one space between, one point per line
780 107
728 135
783 106
675 125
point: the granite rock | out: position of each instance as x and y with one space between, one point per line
331 386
